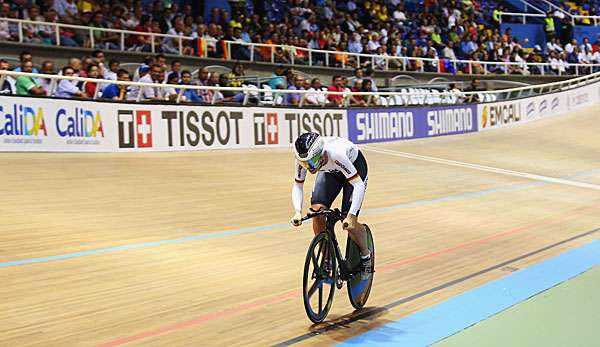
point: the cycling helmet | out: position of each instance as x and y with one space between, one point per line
309 151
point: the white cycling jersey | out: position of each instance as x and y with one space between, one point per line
340 154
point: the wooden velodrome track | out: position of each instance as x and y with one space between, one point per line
193 249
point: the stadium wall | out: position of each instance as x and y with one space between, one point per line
534 32
59 125
582 31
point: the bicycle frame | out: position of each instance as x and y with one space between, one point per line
331 218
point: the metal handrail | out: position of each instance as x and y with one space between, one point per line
527 4
402 61
444 96
573 17
520 14
553 6
595 19
57 26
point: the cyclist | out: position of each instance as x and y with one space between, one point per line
339 165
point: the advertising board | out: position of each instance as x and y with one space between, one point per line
393 124
28 124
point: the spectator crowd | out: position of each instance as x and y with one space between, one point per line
163 80
395 31
154 70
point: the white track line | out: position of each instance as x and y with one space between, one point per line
483 168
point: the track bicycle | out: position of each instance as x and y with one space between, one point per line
322 276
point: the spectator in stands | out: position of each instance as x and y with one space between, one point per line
141 43
31 31
315 98
145 77
148 61
75 64
370 76
117 91
337 86
474 87
203 80
586 57
67 10
556 64
8 86
238 70
158 77
239 51
229 95
176 69
371 25
98 57
553 46
448 51
48 69
586 44
278 78
68 88
496 15
453 89
5 31
170 93
111 72
189 95
596 60
549 27
85 62
357 100
161 60
26 85
93 71
213 82
566 30
168 44
23 57
294 98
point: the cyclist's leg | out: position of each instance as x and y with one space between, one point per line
357 234
326 189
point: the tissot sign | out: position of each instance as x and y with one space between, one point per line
177 127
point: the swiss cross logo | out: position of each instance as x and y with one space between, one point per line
266 129
272 129
135 130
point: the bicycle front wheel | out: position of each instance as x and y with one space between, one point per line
318 285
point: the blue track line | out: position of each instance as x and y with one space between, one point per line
438 322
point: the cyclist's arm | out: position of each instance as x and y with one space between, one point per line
358 193
298 188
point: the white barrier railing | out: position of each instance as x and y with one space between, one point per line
414 96
524 16
592 19
552 7
316 57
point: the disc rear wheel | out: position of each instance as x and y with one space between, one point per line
359 290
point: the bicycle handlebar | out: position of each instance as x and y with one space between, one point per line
330 213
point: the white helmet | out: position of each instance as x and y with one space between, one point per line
309 151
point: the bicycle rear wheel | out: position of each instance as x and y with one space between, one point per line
318 285
358 290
